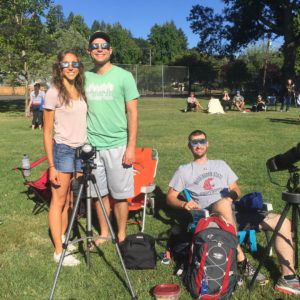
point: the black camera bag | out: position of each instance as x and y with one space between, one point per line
138 251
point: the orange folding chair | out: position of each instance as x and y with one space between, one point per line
38 190
144 168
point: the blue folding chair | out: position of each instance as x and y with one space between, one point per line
243 235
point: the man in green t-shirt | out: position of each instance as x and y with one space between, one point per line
112 122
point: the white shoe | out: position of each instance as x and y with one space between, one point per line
71 247
69 259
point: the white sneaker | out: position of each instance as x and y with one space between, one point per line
69 259
71 247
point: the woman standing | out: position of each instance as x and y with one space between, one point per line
36 101
65 112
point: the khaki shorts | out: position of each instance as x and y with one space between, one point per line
111 176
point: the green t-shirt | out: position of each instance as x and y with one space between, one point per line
107 95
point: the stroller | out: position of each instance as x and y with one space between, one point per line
38 190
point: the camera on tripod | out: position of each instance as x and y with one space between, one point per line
86 152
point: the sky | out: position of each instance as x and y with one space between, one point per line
138 16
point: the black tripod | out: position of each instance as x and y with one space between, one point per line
87 179
292 199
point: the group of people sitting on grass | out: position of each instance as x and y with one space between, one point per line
215 106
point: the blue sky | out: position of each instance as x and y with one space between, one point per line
138 16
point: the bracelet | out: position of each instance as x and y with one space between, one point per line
52 166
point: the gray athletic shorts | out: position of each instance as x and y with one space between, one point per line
111 176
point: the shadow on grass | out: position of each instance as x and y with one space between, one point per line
168 215
291 121
11 105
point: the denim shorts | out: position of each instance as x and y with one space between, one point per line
64 159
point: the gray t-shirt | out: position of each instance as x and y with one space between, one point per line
206 183
69 121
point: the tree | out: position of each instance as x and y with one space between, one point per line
167 42
55 19
125 49
202 68
77 22
243 22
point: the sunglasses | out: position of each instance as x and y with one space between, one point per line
95 46
67 64
201 142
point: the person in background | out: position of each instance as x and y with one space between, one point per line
193 103
226 102
260 105
36 101
239 102
288 95
65 113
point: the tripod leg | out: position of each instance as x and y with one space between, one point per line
269 245
295 214
89 231
133 294
65 244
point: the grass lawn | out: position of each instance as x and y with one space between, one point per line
244 141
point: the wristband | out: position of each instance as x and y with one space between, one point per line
233 195
52 166
184 205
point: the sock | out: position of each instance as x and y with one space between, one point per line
289 277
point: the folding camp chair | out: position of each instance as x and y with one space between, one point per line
245 236
38 190
271 101
145 165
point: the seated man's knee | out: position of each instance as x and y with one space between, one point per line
223 207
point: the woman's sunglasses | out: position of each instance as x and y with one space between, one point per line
67 64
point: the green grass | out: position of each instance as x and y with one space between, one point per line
245 141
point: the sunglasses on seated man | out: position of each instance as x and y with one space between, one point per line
95 46
196 142
67 64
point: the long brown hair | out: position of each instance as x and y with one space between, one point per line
57 78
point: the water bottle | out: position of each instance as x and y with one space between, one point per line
26 165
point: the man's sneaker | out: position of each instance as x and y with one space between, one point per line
69 259
291 286
71 247
247 270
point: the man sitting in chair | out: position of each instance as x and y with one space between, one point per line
193 103
239 102
213 186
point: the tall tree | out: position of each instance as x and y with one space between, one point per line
126 51
167 42
55 19
243 22
77 22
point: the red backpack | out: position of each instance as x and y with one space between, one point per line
211 272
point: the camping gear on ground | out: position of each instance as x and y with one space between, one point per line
138 251
211 272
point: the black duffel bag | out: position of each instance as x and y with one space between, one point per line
138 251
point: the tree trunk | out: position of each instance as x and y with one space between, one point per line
289 53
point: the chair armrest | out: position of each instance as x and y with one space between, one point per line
148 189
268 206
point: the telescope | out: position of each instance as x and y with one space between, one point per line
284 161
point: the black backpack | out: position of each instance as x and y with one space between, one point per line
211 272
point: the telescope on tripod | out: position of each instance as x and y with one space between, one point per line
285 162
87 153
